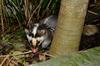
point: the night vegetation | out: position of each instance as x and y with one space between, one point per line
16 15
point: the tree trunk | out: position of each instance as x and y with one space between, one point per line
69 28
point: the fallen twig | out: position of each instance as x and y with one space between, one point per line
9 61
24 53
92 12
16 64
49 55
3 55
4 60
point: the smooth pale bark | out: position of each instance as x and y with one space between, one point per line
85 58
69 28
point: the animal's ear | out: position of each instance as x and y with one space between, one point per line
26 30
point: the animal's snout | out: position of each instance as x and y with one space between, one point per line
34 42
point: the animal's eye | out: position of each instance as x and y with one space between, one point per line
41 32
30 34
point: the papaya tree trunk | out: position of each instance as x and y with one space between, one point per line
69 28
